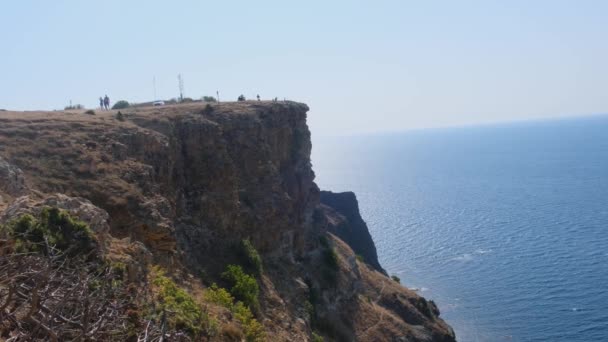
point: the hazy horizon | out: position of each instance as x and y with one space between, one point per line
362 68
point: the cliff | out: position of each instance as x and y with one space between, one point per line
342 210
180 188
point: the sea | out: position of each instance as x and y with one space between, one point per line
504 226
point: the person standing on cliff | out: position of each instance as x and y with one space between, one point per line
106 102
258 97
101 102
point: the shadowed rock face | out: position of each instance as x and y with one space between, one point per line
181 185
346 223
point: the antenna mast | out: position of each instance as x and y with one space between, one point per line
154 86
181 87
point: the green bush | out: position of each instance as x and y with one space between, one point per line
54 226
330 258
395 278
209 99
120 116
243 286
181 311
254 331
122 104
317 338
219 296
250 257
324 241
90 112
241 98
360 258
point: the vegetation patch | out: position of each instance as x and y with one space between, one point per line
250 257
252 329
54 229
207 110
396 278
243 286
220 296
180 308
122 104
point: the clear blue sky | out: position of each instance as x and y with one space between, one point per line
362 66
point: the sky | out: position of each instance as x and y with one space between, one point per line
361 66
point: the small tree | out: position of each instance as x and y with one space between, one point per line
209 99
241 98
122 104
244 287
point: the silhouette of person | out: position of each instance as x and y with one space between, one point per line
106 102
101 102
258 97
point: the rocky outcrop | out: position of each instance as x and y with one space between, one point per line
12 181
344 221
180 186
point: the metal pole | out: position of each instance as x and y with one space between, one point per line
154 85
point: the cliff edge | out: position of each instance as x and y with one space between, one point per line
182 193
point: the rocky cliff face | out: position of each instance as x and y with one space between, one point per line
181 186
345 221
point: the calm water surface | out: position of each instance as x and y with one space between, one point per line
505 227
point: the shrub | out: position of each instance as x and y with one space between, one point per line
244 287
181 311
316 337
360 258
310 309
329 268
219 296
395 278
122 104
90 112
207 110
186 100
120 116
250 257
254 331
209 99
241 98
324 241
330 258
54 226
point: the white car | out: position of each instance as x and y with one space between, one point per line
158 103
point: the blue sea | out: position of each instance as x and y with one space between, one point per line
505 226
